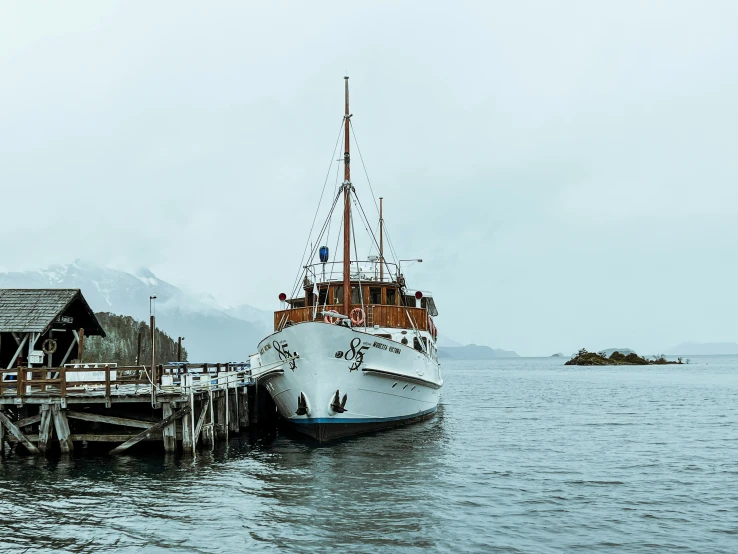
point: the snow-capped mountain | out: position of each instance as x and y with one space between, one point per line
213 332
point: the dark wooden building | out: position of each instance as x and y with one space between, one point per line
30 317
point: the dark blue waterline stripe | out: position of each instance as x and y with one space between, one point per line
337 421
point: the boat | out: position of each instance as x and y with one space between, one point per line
354 349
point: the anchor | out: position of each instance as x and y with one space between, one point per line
302 407
338 405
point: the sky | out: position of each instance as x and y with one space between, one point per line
568 171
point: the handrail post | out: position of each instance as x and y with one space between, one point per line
107 383
63 382
19 378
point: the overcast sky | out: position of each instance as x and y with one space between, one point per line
568 171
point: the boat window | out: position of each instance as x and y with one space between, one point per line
298 303
416 344
391 297
338 294
375 295
355 296
322 296
410 301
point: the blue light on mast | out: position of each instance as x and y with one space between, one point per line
323 254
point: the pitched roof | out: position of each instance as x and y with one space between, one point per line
35 310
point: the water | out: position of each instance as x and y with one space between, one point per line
525 455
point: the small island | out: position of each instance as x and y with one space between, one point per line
616 358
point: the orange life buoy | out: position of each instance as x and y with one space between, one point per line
331 320
357 316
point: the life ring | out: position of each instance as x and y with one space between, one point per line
49 346
357 316
331 320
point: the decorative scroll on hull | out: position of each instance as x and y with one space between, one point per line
385 383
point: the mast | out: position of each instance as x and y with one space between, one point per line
346 211
381 246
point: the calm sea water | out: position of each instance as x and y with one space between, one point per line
525 455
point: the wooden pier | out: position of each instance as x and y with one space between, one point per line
175 408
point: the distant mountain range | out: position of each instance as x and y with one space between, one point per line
474 352
213 332
704 348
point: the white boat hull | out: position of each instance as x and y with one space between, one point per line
386 383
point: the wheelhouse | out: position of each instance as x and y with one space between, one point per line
380 302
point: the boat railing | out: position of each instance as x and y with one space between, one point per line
365 270
382 316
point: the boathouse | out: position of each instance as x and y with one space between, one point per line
43 327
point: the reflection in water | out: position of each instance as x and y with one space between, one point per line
523 455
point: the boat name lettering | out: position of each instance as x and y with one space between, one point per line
265 348
284 353
383 346
356 353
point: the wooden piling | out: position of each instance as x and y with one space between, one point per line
2 437
148 432
44 429
188 443
221 413
233 425
204 410
243 409
170 431
61 425
17 433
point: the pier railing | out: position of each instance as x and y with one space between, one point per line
109 381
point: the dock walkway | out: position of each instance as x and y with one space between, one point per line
184 406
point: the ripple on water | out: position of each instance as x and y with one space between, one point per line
523 456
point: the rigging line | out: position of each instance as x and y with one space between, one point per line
367 226
351 125
317 210
389 242
363 214
366 219
338 238
335 190
361 158
313 250
358 267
